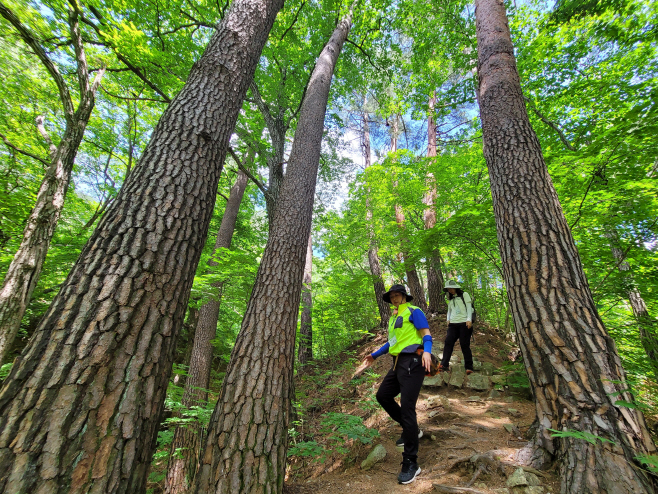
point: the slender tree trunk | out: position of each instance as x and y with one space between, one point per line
277 127
248 433
435 281
25 268
413 280
373 252
572 362
646 324
305 352
81 407
192 320
185 446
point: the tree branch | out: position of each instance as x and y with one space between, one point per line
121 58
258 183
262 106
364 52
131 98
294 21
80 56
38 50
44 133
551 124
18 150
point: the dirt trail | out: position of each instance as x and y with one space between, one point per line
456 423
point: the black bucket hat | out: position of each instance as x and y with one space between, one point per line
396 288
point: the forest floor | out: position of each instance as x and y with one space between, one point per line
457 423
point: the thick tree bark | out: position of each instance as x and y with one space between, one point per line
25 268
572 362
80 410
185 446
248 433
305 351
373 251
435 281
646 324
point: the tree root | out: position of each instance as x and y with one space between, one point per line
447 489
485 463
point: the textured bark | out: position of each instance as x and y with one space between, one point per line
435 282
305 351
25 268
186 443
373 251
80 410
646 324
248 432
572 363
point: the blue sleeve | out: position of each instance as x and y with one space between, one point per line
427 343
382 351
418 318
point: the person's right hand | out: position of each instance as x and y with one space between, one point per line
369 360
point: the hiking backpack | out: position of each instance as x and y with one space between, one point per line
474 316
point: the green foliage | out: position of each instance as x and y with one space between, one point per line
649 461
5 370
515 374
338 429
586 436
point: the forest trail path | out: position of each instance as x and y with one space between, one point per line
456 423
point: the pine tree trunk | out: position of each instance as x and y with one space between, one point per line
25 268
248 433
646 324
373 254
185 446
81 407
572 363
415 288
305 351
435 281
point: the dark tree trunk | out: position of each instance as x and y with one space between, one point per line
373 254
248 433
305 351
435 281
25 268
185 446
572 363
80 410
415 288
646 324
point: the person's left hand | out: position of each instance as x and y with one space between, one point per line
469 324
427 361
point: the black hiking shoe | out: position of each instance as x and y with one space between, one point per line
400 442
409 472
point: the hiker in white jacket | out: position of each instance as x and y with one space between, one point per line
460 326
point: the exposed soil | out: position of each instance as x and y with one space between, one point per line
469 423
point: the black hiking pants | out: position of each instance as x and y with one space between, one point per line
405 379
458 331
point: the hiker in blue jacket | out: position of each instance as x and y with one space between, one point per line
410 345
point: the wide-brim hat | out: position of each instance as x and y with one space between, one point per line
451 284
396 288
